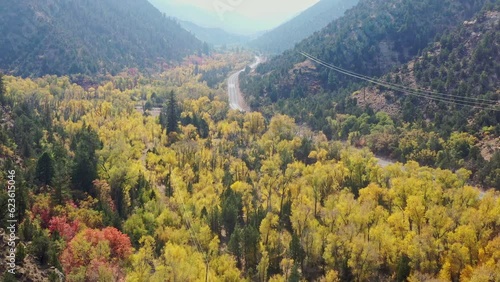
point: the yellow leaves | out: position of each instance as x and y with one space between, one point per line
229 130
318 155
223 268
254 123
101 251
213 246
181 264
331 276
466 273
277 278
445 273
482 273
204 237
415 210
104 109
241 187
246 192
374 194
398 223
439 220
142 261
424 251
263 266
364 259
281 128
238 169
169 218
302 213
428 214
492 251
269 223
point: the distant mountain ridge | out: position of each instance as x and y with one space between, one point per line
88 37
232 21
214 36
303 25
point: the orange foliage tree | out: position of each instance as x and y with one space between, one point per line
95 253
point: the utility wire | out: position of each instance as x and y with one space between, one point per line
402 89
401 86
407 90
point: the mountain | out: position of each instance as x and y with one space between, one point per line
371 39
458 75
303 25
92 36
447 50
213 36
463 63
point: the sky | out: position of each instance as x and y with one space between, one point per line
241 16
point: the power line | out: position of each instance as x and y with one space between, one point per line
402 89
402 86
406 90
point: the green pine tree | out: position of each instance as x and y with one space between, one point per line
85 162
2 89
170 115
45 169
173 113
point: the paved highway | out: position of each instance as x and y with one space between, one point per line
236 101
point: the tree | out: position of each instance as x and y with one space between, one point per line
45 169
490 173
92 251
2 89
170 115
142 261
231 210
296 250
85 162
39 248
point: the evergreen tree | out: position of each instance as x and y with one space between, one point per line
45 169
296 250
2 89
85 162
295 275
234 245
231 210
170 115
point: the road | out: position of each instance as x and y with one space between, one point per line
236 101
384 162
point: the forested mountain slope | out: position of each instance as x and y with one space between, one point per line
305 24
461 69
371 39
462 62
67 37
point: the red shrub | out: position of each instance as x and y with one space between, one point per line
83 248
60 225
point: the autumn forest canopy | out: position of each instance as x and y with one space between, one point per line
130 164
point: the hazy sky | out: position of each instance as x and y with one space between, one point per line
251 15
